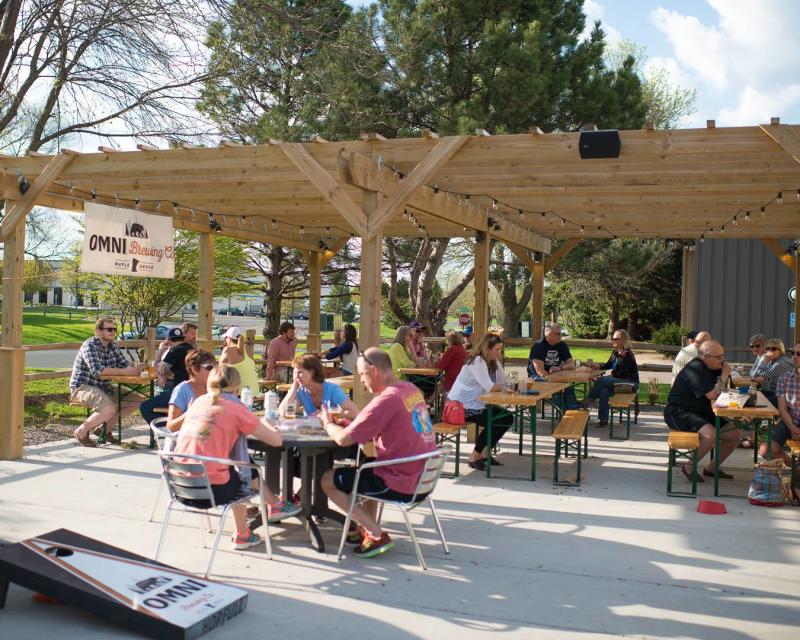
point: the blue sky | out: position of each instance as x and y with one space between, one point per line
740 55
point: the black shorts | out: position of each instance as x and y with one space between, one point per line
680 420
369 484
223 493
780 434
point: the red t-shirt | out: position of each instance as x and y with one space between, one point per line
212 429
451 362
398 421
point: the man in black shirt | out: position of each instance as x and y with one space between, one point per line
173 365
690 405
551 355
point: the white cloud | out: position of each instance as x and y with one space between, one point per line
595 11
748 59
757 107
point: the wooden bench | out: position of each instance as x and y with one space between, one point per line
683 446
446 432
102 437
621 403
569 433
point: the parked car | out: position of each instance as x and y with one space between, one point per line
161 334
235 311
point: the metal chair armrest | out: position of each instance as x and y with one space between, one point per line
417 458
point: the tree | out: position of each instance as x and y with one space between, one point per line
457 66
514 284
666 105
144 302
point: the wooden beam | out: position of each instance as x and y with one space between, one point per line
337 246
205 293
780 253
537 300
433 162
314 262
327 186
27 201
360 171
785 137
146 147
480 316
523 256
12 356
553 259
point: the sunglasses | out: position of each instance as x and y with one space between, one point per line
795 353
112 329
208 366
367 360
615 339
773 349
755 346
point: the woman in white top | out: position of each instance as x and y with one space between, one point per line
482 373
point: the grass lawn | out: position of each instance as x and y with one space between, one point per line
48 401
57 326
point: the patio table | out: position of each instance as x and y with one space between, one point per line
127 386
764 410
544 391
316 456
583 376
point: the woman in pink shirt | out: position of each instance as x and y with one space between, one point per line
211 427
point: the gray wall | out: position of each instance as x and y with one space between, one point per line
741 289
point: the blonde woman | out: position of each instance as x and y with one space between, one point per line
211 427
402 353
482 373
622 364
235 355
775 366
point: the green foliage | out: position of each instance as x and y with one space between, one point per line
670 333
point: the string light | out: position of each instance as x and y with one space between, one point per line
747 217
734 222
780 197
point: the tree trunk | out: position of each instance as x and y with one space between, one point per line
273 293
613 317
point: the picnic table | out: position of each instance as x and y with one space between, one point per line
127 386
543 391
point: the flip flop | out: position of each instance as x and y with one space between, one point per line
688 475
722 474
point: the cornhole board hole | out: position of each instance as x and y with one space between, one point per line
148 597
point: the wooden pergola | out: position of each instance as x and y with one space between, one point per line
523 190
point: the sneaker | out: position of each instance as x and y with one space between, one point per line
355 534
277 511
370 546
245 542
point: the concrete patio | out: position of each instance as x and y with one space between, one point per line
615 557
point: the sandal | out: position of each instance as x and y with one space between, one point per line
84 441
688 475
722 474
478 464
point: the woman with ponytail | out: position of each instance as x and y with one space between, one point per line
211 427
235 355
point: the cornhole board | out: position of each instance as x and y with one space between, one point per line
145 596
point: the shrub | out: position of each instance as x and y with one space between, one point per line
671 333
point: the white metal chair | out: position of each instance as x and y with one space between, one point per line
165 441
186 477
431 472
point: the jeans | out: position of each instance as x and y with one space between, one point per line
566 399
602 390
147 408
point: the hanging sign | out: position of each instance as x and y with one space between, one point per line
127 242
464 319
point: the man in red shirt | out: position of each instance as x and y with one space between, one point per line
398 421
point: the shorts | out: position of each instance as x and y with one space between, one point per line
369 484
679 420
223 493
780 434
93 397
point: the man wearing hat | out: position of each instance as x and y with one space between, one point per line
172 367
419 347
467 333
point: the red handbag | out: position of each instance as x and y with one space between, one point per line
454 412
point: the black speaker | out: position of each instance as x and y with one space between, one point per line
599 144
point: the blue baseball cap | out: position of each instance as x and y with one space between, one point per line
467 331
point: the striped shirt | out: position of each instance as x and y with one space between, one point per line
788 388
773 371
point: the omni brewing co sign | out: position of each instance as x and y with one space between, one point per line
127 242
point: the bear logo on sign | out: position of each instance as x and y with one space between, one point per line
135 230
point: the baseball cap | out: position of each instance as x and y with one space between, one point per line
416 324
233 333
467 330
691 335
176 333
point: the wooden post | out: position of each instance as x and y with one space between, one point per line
150 344
12 356
688 284
480 317
314 261
205 294
796 300
370 296
537 299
